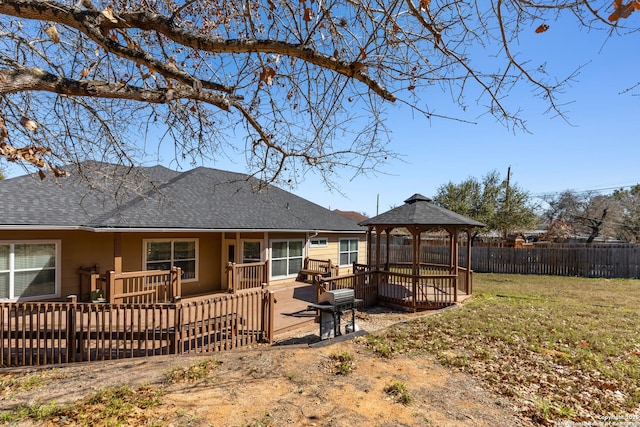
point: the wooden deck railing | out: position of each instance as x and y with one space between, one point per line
363 286
318 267
246 276
33 333
143 287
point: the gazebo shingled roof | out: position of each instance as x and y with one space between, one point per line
419 210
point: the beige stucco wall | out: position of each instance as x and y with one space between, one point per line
86 249
77 249
332 250
209 258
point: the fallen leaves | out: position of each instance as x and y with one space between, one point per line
540 354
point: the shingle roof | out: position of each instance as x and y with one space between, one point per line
157 197
356 216
420 211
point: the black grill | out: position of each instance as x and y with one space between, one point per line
331 305
337 298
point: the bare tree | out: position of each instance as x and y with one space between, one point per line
629 202
582 214
304 82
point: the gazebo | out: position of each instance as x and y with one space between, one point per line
418 284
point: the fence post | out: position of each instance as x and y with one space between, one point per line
71 328
111 286
268 315
174 347
176 282
230 276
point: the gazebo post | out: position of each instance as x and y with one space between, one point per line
419 214
387 233
378 238
456 262
369 247
468 272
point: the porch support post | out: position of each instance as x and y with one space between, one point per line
117 252
239 252
266 258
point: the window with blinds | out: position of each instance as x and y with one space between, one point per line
28 270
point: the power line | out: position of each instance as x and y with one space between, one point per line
575 191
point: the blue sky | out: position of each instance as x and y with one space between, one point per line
597 150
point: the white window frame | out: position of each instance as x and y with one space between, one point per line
341 252
172 260
271 258
12 270
318 242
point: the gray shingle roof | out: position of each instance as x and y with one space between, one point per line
157 197
419 210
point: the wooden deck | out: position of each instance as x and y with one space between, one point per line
292 299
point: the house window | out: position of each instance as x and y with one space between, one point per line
251 252
164 254
286 257
348 251
29 269
319 242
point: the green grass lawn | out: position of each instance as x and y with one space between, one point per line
562 348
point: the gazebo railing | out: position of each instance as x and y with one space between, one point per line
435 285
417 291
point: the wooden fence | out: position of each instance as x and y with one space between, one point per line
62 332
605 261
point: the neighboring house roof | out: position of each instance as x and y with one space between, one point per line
419 210
118 197
356 216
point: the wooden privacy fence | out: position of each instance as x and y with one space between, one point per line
602 261
585 261
63 332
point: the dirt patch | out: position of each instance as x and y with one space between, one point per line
289 385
